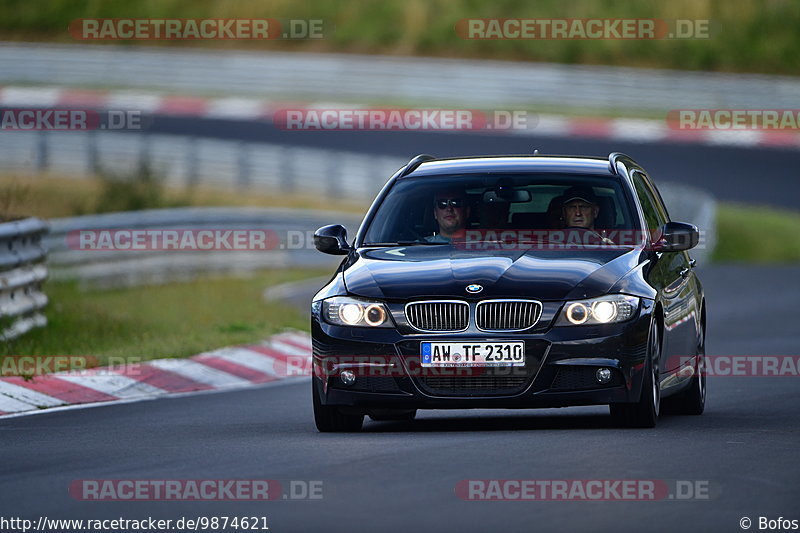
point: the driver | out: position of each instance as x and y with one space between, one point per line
580 208
451 212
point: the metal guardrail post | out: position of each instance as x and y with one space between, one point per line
243 166
191 162
287 169
22 272
92 157
333 175
144 154
41 152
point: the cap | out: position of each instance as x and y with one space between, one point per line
580 192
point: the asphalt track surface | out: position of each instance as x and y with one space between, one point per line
740 174
401 476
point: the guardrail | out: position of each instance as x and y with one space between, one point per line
292 227
106 269
22 272
415 81
188 161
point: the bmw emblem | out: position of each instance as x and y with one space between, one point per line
474 288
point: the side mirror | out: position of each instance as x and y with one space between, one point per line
677 236
332 240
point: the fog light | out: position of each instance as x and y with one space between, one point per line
603 375
348 377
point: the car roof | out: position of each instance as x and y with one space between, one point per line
513 164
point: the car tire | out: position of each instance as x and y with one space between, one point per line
692 401
403 415
644 413
330 419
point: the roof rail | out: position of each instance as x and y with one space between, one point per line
612 160
414 163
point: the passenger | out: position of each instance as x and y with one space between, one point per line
580 207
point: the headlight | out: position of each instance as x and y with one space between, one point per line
603 310
345 311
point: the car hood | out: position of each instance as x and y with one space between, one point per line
445 271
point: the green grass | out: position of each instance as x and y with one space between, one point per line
747 35
757 234
175 320
52 196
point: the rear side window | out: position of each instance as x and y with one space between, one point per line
653 215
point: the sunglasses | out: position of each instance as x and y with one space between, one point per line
454 202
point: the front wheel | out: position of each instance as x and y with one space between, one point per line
692 401
330 419
644 413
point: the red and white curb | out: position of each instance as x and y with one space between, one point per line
242 108
285 355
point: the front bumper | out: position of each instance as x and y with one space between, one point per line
560 367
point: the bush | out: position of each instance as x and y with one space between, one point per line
134 192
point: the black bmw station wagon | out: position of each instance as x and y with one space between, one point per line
510 282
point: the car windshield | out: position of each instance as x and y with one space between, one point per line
485 207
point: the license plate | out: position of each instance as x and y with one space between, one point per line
473 353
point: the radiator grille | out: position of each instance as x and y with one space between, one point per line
507 315
438 315
475 385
